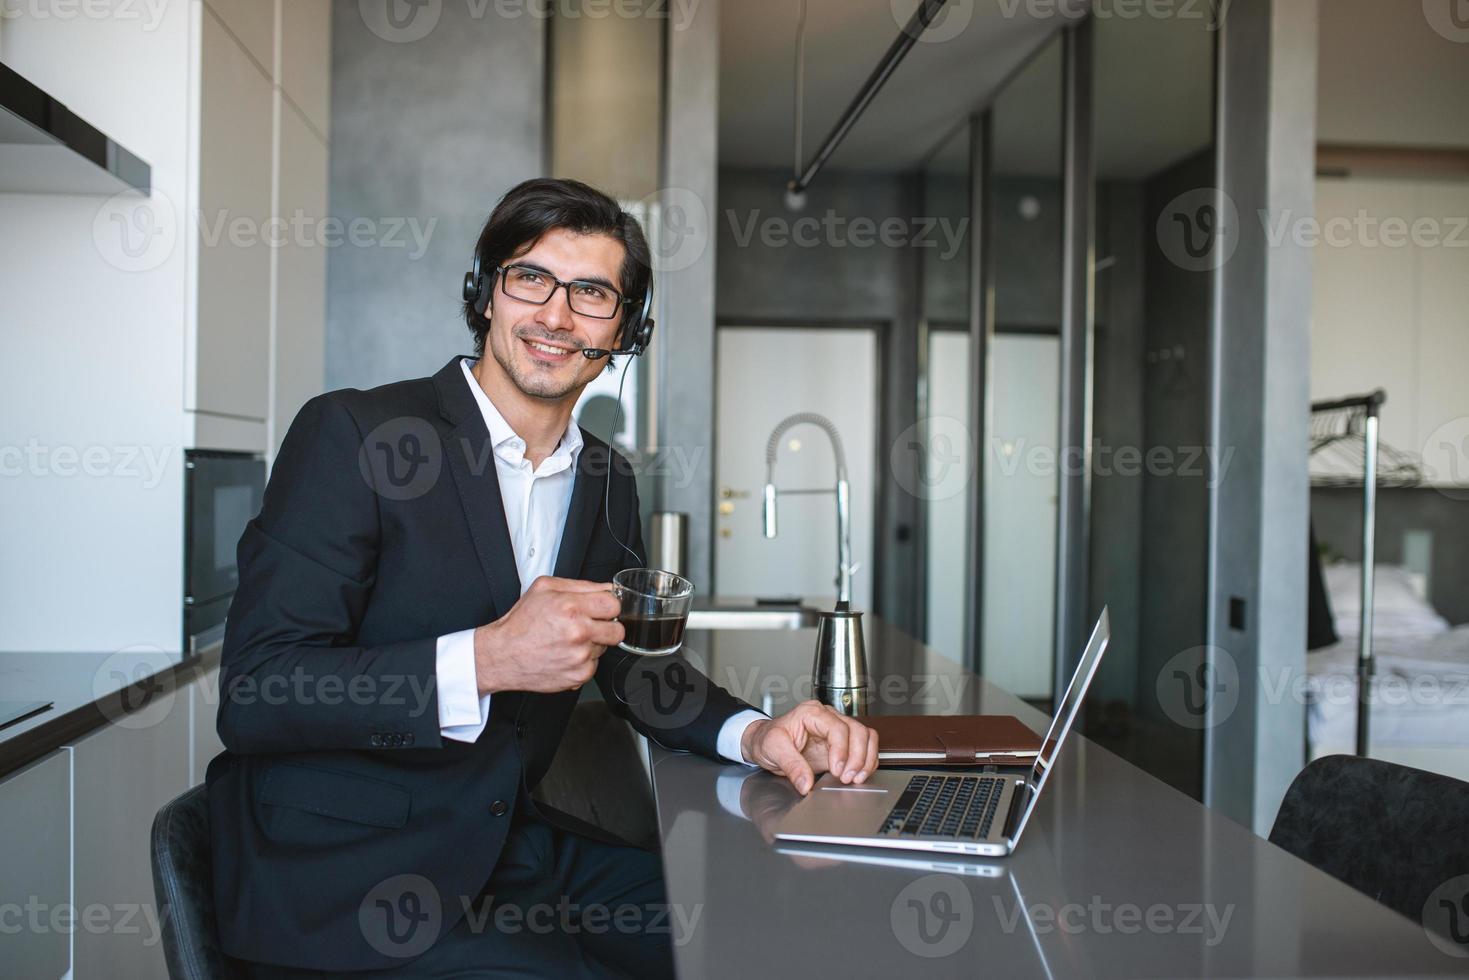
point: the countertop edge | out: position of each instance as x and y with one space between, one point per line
20 750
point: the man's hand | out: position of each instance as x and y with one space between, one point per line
811 739
550 640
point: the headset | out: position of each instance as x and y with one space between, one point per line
477 292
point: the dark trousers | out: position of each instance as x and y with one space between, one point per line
557 905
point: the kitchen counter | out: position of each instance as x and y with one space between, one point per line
1117 875
90 690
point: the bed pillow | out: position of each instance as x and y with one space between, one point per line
1398 607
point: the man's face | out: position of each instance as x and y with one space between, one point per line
539 347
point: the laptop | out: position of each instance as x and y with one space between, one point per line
980 813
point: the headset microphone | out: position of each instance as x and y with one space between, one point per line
640 332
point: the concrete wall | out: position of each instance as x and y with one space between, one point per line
431 124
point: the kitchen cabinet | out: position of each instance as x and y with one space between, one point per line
124 773
232 349
35 868
259 308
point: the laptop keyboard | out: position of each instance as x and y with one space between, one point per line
946 806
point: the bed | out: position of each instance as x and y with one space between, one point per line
1420 695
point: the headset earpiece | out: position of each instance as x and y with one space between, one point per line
474 287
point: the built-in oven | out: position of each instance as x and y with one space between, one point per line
222 493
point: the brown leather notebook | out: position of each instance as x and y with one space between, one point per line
953 740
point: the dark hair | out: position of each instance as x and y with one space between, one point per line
534 207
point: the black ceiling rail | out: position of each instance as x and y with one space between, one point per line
896 52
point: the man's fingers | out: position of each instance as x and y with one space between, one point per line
605 632
597 605
857 734
832 728
872 760
782 757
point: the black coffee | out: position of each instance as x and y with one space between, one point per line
657 633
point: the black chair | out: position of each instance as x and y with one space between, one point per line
183 887
1391 832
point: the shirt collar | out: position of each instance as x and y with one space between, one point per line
510 446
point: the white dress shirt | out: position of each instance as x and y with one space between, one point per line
536 501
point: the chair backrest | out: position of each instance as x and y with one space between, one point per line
1394 833
183 887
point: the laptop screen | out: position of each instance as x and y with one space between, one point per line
1066 711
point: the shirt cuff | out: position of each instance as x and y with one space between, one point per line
733 731
463 713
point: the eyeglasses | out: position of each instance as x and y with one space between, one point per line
535 286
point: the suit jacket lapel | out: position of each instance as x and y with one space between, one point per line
472 463
585 510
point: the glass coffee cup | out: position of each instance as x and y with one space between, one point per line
655 610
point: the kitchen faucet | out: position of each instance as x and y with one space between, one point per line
843 492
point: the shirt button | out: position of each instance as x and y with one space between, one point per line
533 552
498 808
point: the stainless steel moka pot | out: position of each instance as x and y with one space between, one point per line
839 675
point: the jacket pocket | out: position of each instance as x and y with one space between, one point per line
332 793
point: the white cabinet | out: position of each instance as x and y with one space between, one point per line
232 353
306 64
1392 310
35 868
300 315
256 345
252 22
123 774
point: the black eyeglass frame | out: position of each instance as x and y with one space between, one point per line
622 300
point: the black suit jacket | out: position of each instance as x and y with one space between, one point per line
381 529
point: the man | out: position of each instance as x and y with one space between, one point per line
421 598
